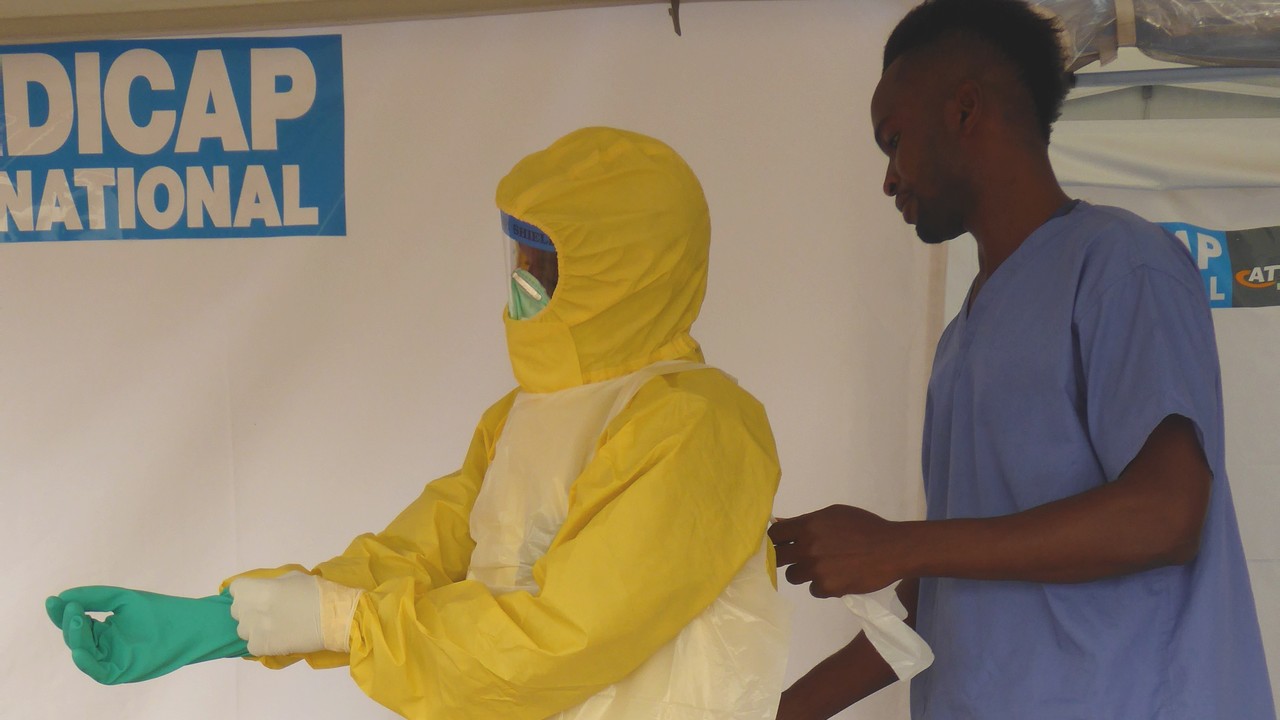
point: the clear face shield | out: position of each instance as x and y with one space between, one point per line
532 268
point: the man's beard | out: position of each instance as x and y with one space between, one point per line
935 230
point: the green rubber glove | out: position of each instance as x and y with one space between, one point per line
146 636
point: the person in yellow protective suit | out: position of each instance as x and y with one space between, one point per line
601 552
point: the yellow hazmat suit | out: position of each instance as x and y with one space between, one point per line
601 552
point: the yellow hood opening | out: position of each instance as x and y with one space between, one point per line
632 231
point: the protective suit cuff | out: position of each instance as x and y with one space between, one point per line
337 608
263 573
883 617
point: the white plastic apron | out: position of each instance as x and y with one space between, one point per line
727 663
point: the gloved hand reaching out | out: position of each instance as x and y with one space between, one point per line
294 613
147 635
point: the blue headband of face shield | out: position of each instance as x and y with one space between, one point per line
526 234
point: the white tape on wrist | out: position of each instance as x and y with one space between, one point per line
337 608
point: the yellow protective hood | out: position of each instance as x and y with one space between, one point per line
631 230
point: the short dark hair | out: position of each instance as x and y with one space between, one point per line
1029 41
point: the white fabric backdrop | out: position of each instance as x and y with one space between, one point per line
174 412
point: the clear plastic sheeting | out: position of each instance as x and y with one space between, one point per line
1088 25
1210 32
1198 32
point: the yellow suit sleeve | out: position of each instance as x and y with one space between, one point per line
674 502
428 544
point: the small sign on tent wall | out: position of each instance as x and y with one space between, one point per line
1241 268
149 139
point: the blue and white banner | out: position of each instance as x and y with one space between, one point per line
145 139
1241 268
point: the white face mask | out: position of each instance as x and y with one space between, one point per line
528 297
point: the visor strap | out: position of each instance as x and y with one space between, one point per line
526 234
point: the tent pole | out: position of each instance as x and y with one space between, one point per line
1172 76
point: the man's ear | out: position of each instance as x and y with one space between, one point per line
967 106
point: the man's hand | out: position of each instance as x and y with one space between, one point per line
841 550
1148 517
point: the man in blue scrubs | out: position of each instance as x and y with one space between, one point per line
1081 557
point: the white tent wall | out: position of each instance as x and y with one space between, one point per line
176 411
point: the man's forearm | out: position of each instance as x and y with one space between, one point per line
854 672
1149 517
851 674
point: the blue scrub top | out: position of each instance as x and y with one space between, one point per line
1093 331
